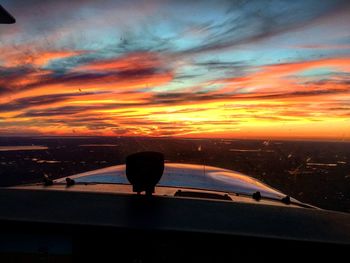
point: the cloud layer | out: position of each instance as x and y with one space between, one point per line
271 69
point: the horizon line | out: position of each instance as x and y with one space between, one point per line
346 140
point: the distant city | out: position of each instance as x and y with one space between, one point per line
317 173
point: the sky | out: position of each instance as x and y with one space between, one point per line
213 69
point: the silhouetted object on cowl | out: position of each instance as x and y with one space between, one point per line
69 182
257 196
47 181
6 17
144 170
286 200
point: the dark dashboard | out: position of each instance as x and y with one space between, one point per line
48 225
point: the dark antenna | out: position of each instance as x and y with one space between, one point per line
203 158
6 17
144 170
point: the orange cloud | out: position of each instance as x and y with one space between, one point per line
275 75
18 56
44 58
131 61
132 71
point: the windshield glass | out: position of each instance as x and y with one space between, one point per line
258 87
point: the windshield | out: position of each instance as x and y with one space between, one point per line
258 87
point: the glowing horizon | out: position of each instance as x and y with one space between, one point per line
209 69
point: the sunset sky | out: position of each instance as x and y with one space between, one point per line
230 69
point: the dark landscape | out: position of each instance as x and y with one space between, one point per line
317 173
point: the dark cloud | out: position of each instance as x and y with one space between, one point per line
121 131
75 78
74 122
181 76
3 90
305 93
187 110
341 78
217 64
252 21
339 109
11 76
72 110
184 97
138 122
35 101
14 72
187 97
60 111
10 83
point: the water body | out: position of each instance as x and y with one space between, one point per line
248 150
322 164
22 148
45 161
98 145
